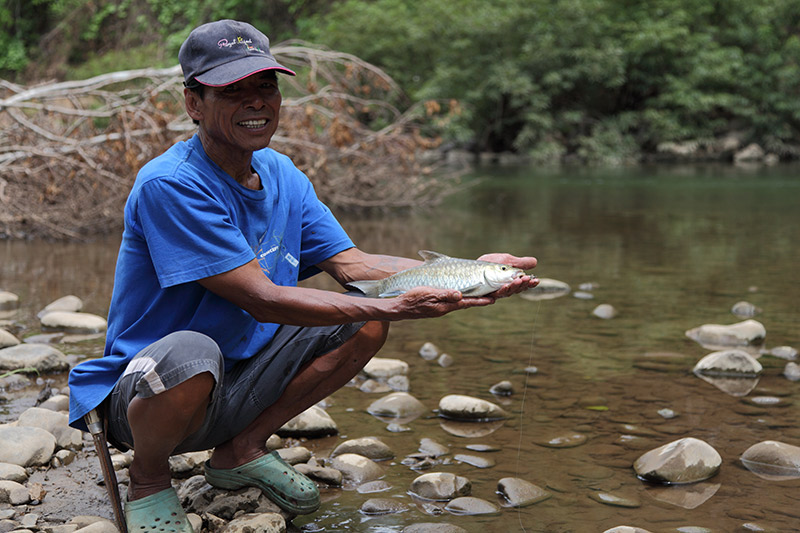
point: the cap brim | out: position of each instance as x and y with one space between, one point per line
239 70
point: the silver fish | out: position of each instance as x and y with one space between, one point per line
471 277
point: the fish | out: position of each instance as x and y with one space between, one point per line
470 277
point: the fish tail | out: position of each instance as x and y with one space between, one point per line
370 287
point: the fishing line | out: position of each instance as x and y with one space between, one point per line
522 406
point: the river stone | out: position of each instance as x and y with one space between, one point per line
429 351
399 383
687 460
11 472
615 501
57 402
295 454
547 289
257 523
432 448
329 476
792 371
372 386
747 333
74 322
460 407
745 309
7 339
374 486
357 469
445 360
43 357
783 352
729 363
13 493
70 303
502 388
382 506
8 301
520 493
773 460
605 311
312 423
626 529
385 368
440 486
397 405
26 446
433 527
54 423
474 460
566 440
370 447
469 505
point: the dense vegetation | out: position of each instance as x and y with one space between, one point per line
594 80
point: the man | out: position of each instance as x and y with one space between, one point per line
210 343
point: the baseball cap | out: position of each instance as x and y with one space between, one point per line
226 51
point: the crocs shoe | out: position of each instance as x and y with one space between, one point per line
289 489
158 513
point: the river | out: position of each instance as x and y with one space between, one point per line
669 247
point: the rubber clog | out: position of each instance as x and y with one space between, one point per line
160 512
289 489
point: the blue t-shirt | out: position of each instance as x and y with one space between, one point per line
186 219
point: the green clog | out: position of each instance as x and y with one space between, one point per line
289 489
158 513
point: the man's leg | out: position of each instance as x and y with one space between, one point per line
314 382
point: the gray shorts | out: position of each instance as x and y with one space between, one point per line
240 394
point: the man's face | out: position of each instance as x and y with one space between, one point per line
242 116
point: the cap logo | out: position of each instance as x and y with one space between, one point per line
247 43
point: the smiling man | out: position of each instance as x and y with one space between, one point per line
211 343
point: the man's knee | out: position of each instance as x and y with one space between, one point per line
374 335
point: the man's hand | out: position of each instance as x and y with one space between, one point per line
520 284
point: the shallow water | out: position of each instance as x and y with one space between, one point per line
670 248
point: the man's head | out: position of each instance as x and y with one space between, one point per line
226 51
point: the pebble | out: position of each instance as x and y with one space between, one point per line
605 311
520 493
687 460
397 405
382 506
440 486
469 505
370 447
502 388
474 460
429 351
461 407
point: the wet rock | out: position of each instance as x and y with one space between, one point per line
583 295
357 469
429 351
565 440
382 368
44 358
474 460
626 529
503 388
687 460
54 423
773 460
8 301
483 448
745 309
12 472
547 289
469 505
312 423
445 360
372 386
74 322
7 339
13 493
397 405
520 493
370 447
614 500
399 383
69 303
382 506
440 486
747 333
329 476
295 454
63 458
667 413
783 352
460 407
729 363
374 486
26 446
433 527
257 523
57 402
432 448
605 311
792 371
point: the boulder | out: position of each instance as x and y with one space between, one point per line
440 486
26 446
70 303
57 424
43 357
460 407
469 505
687 460
357 469
397 405
73 322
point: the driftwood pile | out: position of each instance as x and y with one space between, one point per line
69 151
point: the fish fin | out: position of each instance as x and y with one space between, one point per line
466 291
427 255
368 286
391 294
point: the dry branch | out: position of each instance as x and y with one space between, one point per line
69 151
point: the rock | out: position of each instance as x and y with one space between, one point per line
44 358
397 405
687 460
615 501
13 493
751 152
12 472
329 476
429 351
8 301
445 360
371 386
460 407
729 363
605 311
520 493
57 402
257 523
773 460
747 333
295 455
26 446
547 289
626 529
399 383
54 423
502 388
379 368
783 352
99 526
188 464
314 422
70 304
583 295
374 486
382 506
469 505
7 339
440 486
565 440
357 469
433 527
73 322
792 371
370 447
62 458
745 309
432 448
474 460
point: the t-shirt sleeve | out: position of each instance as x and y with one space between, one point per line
189 234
